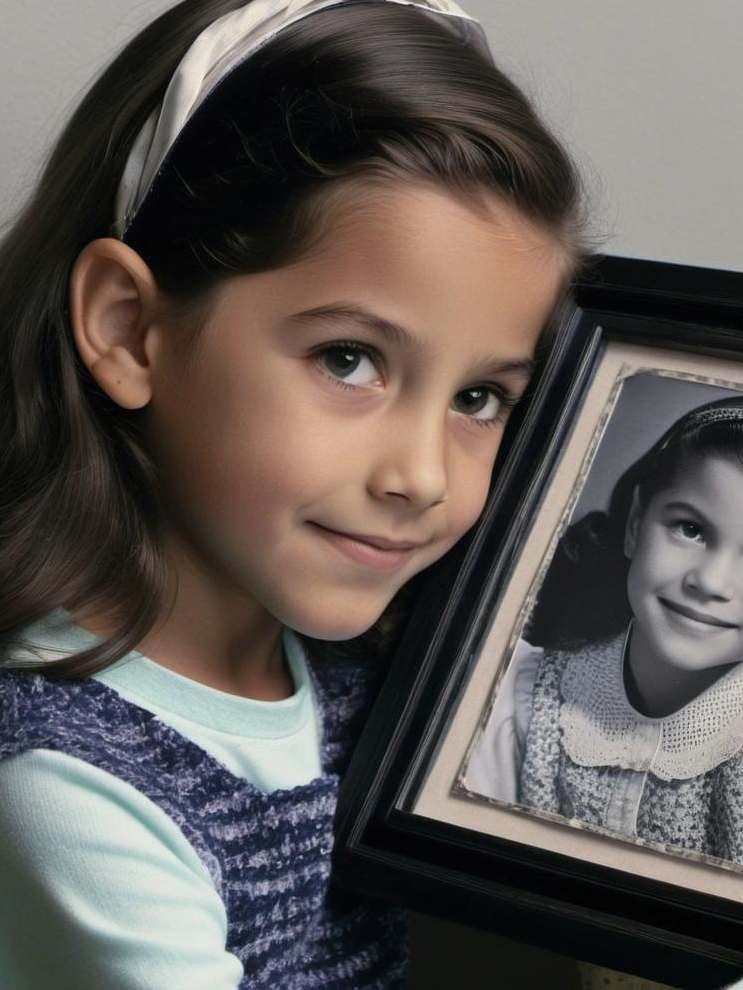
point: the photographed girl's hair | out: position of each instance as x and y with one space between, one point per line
584 595
358 93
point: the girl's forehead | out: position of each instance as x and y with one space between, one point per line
713 478
430 247
416 209
424 262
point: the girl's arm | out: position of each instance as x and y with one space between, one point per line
496 761
100 888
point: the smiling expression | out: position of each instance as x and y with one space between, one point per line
685 582
362 390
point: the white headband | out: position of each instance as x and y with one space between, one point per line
722 414
213 55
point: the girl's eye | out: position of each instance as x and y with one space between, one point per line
688 531
342 362
487 400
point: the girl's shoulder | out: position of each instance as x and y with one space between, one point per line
43 705
83 719
595 658
70 830
523 668
34 702
88 720
549 663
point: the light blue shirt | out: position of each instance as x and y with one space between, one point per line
99 887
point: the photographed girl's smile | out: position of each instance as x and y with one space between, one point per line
685 582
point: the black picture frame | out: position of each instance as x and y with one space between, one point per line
586 910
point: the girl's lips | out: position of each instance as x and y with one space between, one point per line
691 613
364 553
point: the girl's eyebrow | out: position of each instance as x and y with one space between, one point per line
394 333
685 507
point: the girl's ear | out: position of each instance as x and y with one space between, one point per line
113 301
633 525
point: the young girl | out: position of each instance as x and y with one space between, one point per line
630 718
283 277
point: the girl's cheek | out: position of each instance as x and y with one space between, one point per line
470 503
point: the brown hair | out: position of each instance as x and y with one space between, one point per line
353 93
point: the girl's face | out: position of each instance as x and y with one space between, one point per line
685 582
362 390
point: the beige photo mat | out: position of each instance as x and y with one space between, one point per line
442 796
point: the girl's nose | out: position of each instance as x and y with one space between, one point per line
714 576
411 461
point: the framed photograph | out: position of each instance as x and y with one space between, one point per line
557 752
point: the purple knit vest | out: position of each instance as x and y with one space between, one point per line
268 854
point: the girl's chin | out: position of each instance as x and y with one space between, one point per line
688 658
332 630
690 650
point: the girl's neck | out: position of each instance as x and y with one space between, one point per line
251 665
216 634
654 687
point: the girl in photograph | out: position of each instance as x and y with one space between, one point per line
264 317
627 695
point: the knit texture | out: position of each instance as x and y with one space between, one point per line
601 726
267 853
702 814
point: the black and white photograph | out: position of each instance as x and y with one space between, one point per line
621 709
562 734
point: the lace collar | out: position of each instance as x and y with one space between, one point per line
601 728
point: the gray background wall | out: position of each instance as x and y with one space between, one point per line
647 93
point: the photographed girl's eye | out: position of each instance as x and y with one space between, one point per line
688 531
350 365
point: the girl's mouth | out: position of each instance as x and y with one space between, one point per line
692 613
365 553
